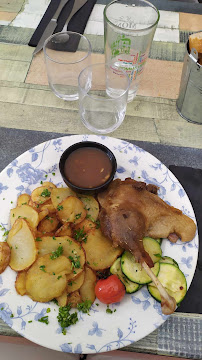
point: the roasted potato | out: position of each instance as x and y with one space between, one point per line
75 284
20 283
21 240
62 299
46 279
60 194
23 199
91 205
25 212
86 225
48 224
71 249
74 299
71 210
5 255
64 230
87 290
42 194
100 254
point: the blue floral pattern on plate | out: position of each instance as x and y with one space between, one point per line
138 314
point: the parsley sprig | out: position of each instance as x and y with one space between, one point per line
56 253
65 319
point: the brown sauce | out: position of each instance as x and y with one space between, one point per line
88 167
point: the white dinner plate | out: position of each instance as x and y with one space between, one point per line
138 314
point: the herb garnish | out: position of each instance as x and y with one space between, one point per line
80 235
66 319
38 239
42 268
44 319
59 207
57 253
84 306
75 262
45 193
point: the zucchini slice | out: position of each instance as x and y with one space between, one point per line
130 286
153 248
134 271
173 280
168 260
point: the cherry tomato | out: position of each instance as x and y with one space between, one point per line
110 290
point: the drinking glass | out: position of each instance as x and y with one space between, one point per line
129 27
103 93
66 54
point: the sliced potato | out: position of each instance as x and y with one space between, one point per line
49 184
100 254
5 255
74 274
62 299
74 299
48 206
20 283
71 210
91 205
22 244
23 199
75 284
43 214
26 212
86 225
59 194
70 249
48 224
64 230
46 279
87 290
41 194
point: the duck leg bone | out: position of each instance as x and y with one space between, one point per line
168 303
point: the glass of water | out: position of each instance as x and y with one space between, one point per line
66 54
103 93
129 27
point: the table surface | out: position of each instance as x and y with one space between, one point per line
31 114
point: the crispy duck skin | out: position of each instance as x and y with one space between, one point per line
131 210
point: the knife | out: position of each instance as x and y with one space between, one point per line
50 27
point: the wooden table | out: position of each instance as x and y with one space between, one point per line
30 113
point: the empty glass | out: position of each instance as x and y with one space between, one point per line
66 55
103 93
129 27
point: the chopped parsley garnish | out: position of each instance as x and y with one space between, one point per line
53 174
80 235
84 306
12 316
54 238
59 207
48 310
77 216
41 182
6 233
30 321
66 319
44 319
108 310
45 193
57 253
75 262
42 268
38 239
59 277
97 223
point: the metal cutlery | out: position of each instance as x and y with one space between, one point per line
53 22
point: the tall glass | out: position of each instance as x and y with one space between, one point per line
129 27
